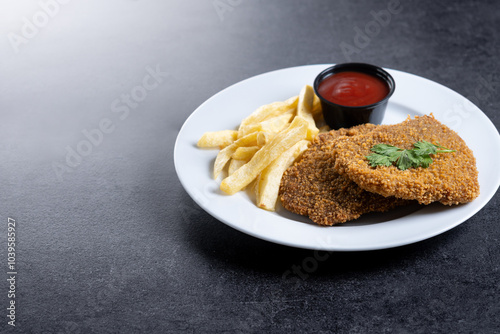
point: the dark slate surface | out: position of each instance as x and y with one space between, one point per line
111 243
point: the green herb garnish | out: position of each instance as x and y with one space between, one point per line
419 156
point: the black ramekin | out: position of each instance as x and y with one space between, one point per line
338 116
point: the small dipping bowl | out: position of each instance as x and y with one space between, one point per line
345 116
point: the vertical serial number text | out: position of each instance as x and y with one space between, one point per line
12 271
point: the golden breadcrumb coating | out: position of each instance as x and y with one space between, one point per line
451 179
312 187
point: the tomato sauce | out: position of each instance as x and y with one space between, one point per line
353 89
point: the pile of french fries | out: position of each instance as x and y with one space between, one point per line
266 143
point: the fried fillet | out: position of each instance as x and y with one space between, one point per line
451 179
312 187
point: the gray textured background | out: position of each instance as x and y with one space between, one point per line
114 244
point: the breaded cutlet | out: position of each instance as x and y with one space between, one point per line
312 187
451 179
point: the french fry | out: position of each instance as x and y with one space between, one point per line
245 153
268 186
226 153
305 108
263 138
234 164
324 128
267 111
267 154
316 107
271 125
217 139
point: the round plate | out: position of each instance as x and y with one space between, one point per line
413 96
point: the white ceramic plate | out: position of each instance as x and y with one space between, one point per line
413 96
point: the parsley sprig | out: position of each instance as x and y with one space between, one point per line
419 156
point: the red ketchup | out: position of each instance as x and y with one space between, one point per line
353 89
